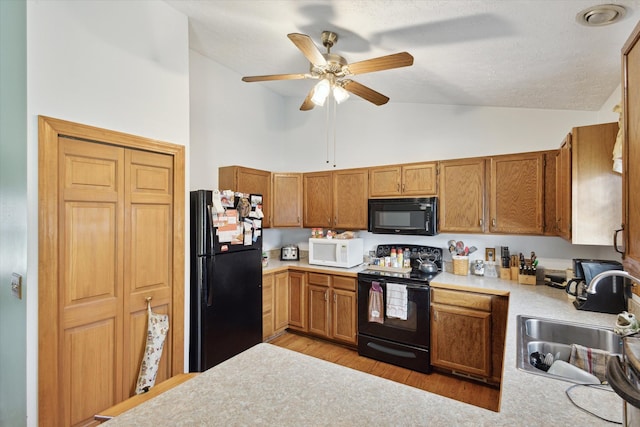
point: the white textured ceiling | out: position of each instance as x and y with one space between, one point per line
504 53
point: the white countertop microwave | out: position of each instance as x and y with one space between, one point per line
344 253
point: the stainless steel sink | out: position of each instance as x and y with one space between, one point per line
556 336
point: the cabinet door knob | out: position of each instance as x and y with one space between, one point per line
493 222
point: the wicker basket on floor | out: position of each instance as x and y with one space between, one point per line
460 265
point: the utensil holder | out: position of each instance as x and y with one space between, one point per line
515 272
460 265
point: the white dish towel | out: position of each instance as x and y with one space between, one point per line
397 301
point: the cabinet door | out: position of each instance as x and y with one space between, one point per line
419 180
287 200
461 339
343 316
350 199
267 305
319 310
247 180
462 196
516 194
318 199
563 189
297 300
631 156
385 181
549 220
596 190
281 301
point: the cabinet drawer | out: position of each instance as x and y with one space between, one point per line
319 279
461 299
346 283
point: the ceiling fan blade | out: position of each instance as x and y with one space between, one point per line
274 77
308 48
307 104
365 93
397 60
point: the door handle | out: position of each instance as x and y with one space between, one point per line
615 240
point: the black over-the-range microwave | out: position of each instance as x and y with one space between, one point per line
416 216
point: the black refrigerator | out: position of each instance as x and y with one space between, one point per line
226 278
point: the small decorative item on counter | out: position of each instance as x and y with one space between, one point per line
490 269
330 234
478 267
265 259
316 233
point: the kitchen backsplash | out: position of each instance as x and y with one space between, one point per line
553 252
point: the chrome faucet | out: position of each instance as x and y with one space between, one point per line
619 273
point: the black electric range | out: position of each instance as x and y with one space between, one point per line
402 341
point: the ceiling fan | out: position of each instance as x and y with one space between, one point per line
333 72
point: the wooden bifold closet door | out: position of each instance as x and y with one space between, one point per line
113 211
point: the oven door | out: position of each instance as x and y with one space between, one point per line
414 331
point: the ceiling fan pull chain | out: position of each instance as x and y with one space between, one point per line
327 133
335 106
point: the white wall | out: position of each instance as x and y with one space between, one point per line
232 123
117 65
367 135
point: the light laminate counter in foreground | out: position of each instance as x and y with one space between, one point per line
268 385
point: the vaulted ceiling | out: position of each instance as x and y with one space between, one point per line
515 53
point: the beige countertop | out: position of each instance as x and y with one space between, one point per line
267 385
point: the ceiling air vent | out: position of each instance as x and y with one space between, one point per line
604 14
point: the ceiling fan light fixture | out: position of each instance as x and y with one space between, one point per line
340 94
320 92
600 15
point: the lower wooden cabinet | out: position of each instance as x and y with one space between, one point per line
333 307
467 333
267 305
275 303
298 301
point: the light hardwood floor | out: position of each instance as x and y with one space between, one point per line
450 386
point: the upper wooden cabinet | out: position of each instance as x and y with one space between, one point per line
247 180
317 199
631 151
462 195
403 180
350 199
336 199
287 200
550 190
590 193
563 189
516 193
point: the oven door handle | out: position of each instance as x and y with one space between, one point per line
619 382
417 288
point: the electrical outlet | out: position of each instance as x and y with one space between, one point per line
16 285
